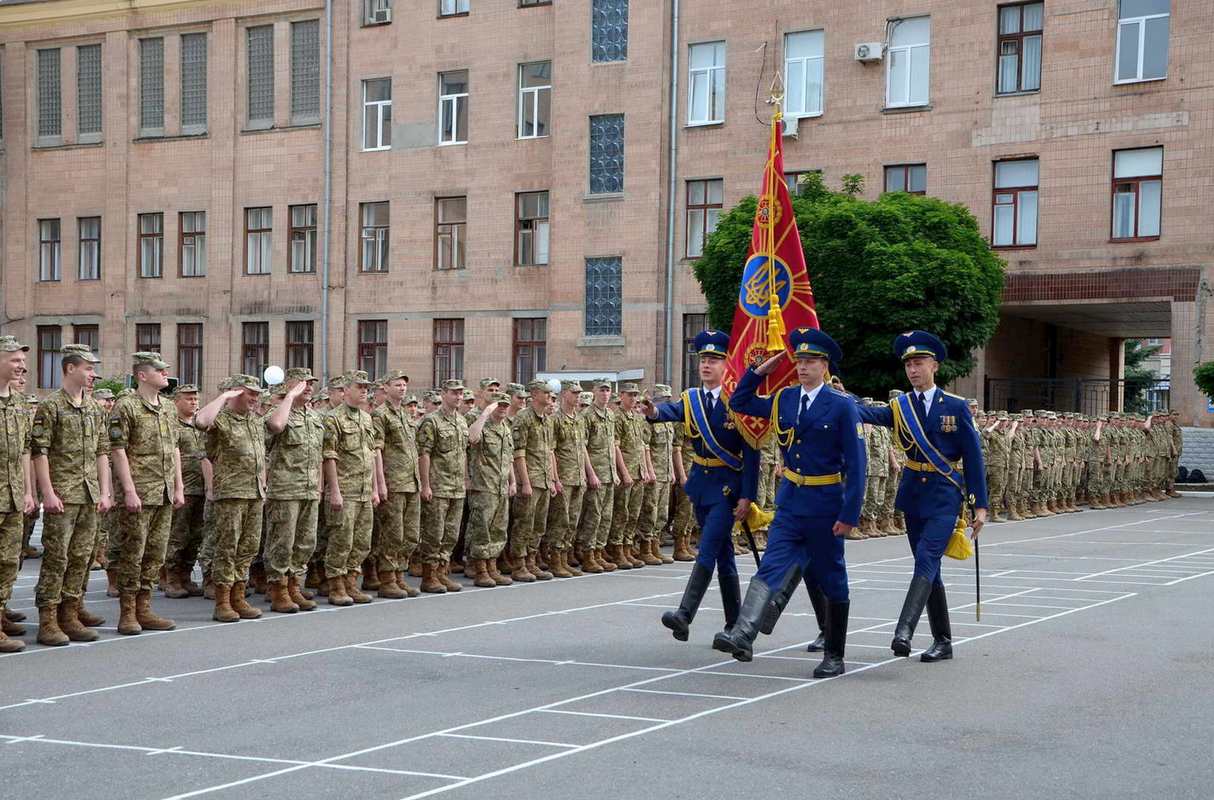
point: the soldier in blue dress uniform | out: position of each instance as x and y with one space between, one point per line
944 469
822 443
723 482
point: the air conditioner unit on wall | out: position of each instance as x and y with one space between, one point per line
870 51
790 127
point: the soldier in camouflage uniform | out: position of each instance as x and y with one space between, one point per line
572 477
105 399
399 512
442 446
684 519
769 479
874 487
655 502
632 436
1015 474
1177 446
998 466
185 537
897 462
334 400
598 506
534 471
16 482
490 487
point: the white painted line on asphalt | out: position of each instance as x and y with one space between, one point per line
504 739
566 662
596 714
1108 572
686 694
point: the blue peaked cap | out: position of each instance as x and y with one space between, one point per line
712 343
813 343
919 343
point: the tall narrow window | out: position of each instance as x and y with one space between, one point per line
194 83
1142 40
1014 208
909 178
451 220
89 265
193 247
373 347
151 87
803 73
693 324
50 351
373 256
1020 47
258 240
909 58
608 30
607 154
377 12
706 83
448 350
531 229
377 114
151 245
189 353
530 348
255 347
299 344
305 72
50 99
453 107
89 335
705 199
604 296
302 256
50 250
534 99
260 42
88 92
1137 193
147 337
452 8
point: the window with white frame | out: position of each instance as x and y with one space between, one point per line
193 244
50 250
1142 40
909 63
803 73
374 254
89 257
451 8
377 12
450 224
377 114
258 240
534 99
453 107
1014 203
706 83
151 245
909 178
531 229
705 202
1137 193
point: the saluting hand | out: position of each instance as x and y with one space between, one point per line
769 366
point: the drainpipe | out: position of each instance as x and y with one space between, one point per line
327 213
671 191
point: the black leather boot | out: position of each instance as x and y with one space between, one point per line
779 600
912 608
731 598
836 639
818 601
942 631
738 640
679 621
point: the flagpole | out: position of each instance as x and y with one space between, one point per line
775 319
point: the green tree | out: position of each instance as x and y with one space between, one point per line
877 268
113 384
1139 378
1204 377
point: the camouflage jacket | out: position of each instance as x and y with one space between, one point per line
71 437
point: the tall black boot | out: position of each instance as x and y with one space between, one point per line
818 601
731 598
737 641
680 620
779 600
942 631
836 639
912 608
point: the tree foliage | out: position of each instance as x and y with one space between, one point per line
1138 378
877 268
1204 377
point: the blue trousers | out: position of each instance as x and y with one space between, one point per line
716 540
928 536
810 543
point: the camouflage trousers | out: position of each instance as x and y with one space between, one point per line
595 523
290 537
767 482
626 510
399 517
891 493
530 521
996 477
488 516
349 537
143 537
439 528
11 525
185 535
564 510
874 495
655 511
67 552
237 537
206 553
684 519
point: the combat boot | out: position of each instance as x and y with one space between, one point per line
444 576
371 579
148 620
1013 515
1095 503
111 582
336 592
353 591
70 623
540 574
656 549
615 553
257 577
13 616
280 598
86 617
8 627
1051 506
298 597
208 586
314 576
600 555
8 645
172 585
679 621
589 563
416 568
389 589
836 640
632 553
49 633
855 534
495 573
650 556
681 553
738 639
912 609
430 582
404 585
236 596
481 576
889 526
161 578
942 633
128 624
557 566
223 604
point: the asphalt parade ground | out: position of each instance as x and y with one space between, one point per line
1090 675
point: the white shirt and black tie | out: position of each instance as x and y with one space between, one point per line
807 399
711 398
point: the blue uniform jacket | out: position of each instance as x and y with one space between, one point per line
709 485
830 440
930 493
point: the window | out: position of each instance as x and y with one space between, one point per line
525 3
299 344
706 83
151 245
89 335
373 257
305 72
147 337
909 178
604 296
693 324
530 348
607 154
193 244
50 250
258 239
255 347
1142 40
531 229
450 222
448 350
50 352
377 114
189 353
704 203
909 63
803 67
1019 68
534 99
377 12
452 8
302 233
88 92
453 107
89 229
1014 211
800 180
151 87
194 83
373 347
1137 193
50 100
261 75
608 30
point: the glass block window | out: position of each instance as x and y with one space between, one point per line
305 70
151 85
194 82
607 153
609 30
50 100
261 74
88 89
604 296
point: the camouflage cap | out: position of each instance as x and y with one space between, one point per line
487 382
468 396
432 396
124 393
321 396
9 344
499 398
411 400
515 387
299 374
277 390
358 377
81 350
519 392
103 394
630 388
223 385
585 398
396 375
338 382
148 358
662 390
241 381
1003 415
452 385
538 385
182 388
571 386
